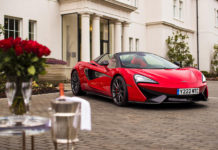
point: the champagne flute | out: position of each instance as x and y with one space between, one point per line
27 92
10 91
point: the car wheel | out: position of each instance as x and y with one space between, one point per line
75 84
119 91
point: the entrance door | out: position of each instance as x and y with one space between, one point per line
104 47
70 38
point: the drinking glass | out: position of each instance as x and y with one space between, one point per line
27 92
10 91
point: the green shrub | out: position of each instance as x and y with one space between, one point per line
209 74
206 74
214 61
179 49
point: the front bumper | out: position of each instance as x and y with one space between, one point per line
158 97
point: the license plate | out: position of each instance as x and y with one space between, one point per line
189 91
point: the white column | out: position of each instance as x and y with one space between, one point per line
85 42
126 37
118 30
111 34
95 37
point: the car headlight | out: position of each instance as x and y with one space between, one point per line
139 78
203 78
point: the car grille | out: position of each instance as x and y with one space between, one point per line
150 94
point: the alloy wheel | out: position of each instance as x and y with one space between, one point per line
119 91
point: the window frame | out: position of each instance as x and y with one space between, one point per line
16 28
178 10
216 18
137 44
175 8
181 5
32 33
130 44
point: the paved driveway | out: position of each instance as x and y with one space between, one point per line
136 127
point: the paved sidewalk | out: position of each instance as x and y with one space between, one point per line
136 127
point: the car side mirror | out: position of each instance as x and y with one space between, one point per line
104 63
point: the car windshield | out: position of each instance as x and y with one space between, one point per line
142 60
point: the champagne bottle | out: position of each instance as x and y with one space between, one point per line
61 92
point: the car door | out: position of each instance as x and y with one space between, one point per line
100 76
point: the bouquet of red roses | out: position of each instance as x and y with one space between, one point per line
21 61
22 58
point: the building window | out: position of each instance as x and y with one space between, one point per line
174 8
12 27
130 44
32 30
137 44
178 9
217 18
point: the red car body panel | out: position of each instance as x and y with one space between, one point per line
169 80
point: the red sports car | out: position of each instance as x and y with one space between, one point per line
138 77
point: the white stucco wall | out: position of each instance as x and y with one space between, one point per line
161 23
188 20
208 32
137 28
45 12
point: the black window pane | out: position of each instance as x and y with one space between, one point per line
16 25
30 27
6 34
6 23
16 34
11 24
11 34
31 36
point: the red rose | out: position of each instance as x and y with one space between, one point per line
47 51
6 44
18 50
40 51
26 46
16 41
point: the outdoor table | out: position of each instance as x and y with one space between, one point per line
31 125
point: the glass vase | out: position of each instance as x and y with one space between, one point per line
18 92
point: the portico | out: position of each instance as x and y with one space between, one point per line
89 32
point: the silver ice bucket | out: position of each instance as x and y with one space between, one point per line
65 117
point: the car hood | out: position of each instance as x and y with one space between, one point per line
181 75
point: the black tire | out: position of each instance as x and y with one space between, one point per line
119 91
75 84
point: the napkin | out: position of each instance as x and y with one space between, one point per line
85 112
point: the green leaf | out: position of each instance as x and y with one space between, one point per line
18 73
7 59
35 59
31 70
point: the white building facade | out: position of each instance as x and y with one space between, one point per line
78 30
